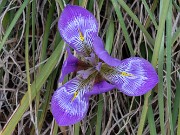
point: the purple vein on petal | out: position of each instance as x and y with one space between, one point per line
68 104
75 24
134 76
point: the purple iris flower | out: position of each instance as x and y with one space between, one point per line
96 71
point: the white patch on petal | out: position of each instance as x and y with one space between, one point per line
66 100
135 78
71 33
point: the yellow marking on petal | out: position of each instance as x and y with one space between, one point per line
75 95
81 37
126 74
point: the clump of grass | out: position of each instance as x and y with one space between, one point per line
32 53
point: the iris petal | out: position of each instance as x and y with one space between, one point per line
100 87
77 27
134 76
70 65
102 53
68 104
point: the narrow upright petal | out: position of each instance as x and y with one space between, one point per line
100 87
70 65
134 76
68 104
102 53
77 26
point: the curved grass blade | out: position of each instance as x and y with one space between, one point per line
154 61
16 17
43 57
40 80
150 14
47 97
176 35
176 5
136 20
123 26
153 7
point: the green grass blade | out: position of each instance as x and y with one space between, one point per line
168 64
161 84
33 49
100 4
27 58
27 49
61 4
151 122
150 14
83 3
154 61
45 106
47 32
110 37
49 90
178 126
54 128
144 113
77 128
40 80
176 5
44 55
176 35
123 26
99 114
176 103
14 21
153 7
27 65
160 32
33 32
47 97
2 5
161 87
136 20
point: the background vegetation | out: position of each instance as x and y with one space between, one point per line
32 53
